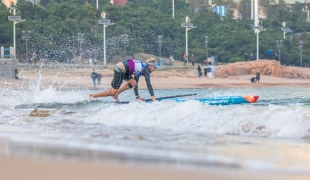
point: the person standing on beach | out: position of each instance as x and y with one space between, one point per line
245 56
193 60
34 57
185 59
199 71
94 76
130 71
171 59
257 77
251 57
90 59
99 76
205 71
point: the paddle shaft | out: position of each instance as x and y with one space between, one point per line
167 97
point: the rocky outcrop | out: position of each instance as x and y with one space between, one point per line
265 67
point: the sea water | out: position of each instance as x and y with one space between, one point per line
271 135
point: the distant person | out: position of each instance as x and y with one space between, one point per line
94 76
270 52
99 76
193 60
29 56
130 71
277 56
185 59
171 59
95 60
246 57
34 57
199 71
253 79
205 71
257 77
90 59
251 57
216 60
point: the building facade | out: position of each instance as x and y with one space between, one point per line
8 3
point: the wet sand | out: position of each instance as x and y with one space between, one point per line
29 169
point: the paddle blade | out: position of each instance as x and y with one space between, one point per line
251 99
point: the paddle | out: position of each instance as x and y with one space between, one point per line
161 98
167 97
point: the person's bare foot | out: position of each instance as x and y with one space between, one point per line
116 98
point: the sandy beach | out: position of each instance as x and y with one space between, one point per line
69 77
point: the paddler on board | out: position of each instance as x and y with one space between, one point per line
130 71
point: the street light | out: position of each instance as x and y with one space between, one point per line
301 45
160 42
257 28
124 40
188 26
285 29
206 41
80 40
97 4
15 19
279 46
26 37
172 9
105 22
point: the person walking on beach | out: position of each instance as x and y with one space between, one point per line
99 76
257 77
90 59
193 60
171 59
130 71
199 71
251 57
205 71
245 56
34 57
94 77
185 59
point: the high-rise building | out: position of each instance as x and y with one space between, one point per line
8 3
119 2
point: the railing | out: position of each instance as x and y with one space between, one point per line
6 53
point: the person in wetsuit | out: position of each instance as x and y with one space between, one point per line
130 71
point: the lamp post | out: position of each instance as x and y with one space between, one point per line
105 22
285 29
305 9
188 26
80 40
172 9
160 42
301 45
97 4
257 28
15 19
26 37
124 39
279 46
206 41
